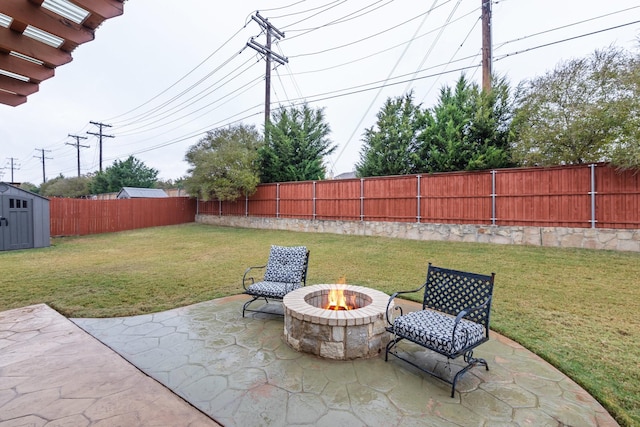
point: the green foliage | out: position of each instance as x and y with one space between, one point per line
224 164
27 186
129 173
296 143
585 110
390 147
66 187
469 129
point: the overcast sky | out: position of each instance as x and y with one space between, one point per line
166 71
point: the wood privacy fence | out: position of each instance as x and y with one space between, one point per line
586 196
78 217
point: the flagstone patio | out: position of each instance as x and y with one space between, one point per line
206 359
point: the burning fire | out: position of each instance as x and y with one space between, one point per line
337 300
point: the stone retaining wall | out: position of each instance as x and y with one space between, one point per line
590 238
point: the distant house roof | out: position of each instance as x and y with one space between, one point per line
141 193
346 175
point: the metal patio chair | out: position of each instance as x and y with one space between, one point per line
285 271
454 319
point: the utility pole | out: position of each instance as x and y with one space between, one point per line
100 135
269 55
77 145
14 166
486 45
44 176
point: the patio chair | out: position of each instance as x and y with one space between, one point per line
285 271
454 319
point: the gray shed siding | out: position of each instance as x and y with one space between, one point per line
40 219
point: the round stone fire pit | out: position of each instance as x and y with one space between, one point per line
336 334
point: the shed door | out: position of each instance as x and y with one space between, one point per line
16 223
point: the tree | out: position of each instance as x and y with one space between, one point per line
224 164
468 129
66 187
390 148
585 110
129 173
296 143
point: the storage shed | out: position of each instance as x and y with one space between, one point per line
141 193
24 219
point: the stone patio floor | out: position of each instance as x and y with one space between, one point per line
205 365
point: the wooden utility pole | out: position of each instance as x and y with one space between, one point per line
14 166
77 145
43 158
486 45
269 55
100 135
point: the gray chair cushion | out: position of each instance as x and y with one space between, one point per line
433 329
272 289
285 264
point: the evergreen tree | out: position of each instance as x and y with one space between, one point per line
390 148
296 143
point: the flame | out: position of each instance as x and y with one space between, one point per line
337 300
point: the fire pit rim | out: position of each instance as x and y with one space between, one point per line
296 306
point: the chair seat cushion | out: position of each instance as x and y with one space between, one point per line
272 289
433 329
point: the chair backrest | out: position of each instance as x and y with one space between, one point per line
451 291
287 264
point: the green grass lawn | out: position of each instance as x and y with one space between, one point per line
576 308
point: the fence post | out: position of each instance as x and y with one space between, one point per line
361 199
246 205
278 200
418 198
313 214
493 197
593 195
219 207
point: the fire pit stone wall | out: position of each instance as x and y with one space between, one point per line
336 334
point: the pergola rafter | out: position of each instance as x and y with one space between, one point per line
36 36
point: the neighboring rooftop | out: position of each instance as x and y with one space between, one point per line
141 193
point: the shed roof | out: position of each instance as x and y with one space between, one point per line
136 193
4 186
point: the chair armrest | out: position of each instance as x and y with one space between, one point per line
397 307
465 312
246 279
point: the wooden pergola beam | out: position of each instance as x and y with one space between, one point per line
36 73
12 99
52 57
26 12
17 86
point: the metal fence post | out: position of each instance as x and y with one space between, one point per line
418 198
493 197
278 200
593 195
313 215
361 199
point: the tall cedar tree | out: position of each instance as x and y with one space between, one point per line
390 147
468 129
296 143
